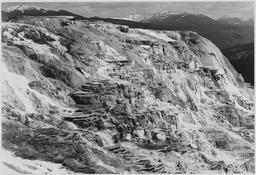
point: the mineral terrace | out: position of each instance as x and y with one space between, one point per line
82 96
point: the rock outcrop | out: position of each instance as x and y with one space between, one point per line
100 98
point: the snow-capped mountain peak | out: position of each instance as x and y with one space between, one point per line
136 17
21 8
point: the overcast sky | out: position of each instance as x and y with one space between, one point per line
214 10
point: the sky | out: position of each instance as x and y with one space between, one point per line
213 9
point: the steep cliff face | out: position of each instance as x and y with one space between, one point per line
101 98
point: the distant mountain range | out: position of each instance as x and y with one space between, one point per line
167 18
231 35
23 10
236 21
179 17
224 32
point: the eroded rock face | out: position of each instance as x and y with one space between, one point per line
100 98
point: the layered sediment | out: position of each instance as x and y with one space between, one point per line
102 98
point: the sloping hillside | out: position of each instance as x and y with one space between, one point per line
96 97
236 21
242 58
222 34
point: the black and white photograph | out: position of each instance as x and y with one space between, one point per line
127 87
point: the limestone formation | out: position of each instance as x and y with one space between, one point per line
96 97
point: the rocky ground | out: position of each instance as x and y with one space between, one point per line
93 97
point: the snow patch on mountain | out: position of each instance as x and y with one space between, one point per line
21 8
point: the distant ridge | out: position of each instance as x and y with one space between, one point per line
223 35
17 11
